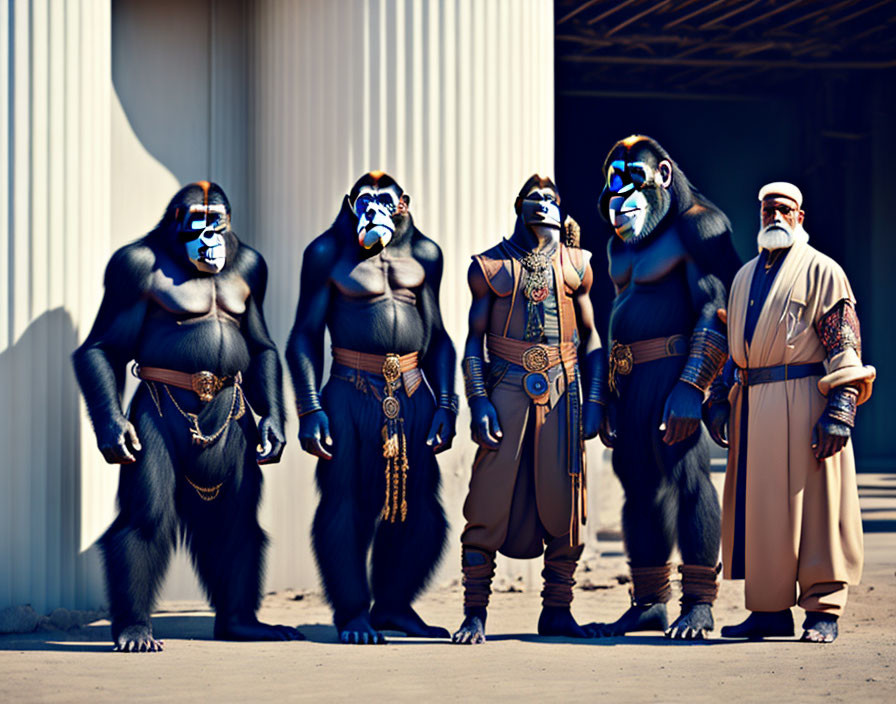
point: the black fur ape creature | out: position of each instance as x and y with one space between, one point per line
373 280
185 303
671 261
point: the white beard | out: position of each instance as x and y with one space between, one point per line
780 237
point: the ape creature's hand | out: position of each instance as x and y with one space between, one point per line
681 416
118 441
829 436
441 432
314 434
716 417
484 423
608 426
592 419
272 441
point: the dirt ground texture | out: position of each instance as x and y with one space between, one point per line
515 664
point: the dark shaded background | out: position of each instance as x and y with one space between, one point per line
829 130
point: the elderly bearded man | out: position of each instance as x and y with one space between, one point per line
791 508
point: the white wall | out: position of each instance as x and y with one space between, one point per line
106 111
55 239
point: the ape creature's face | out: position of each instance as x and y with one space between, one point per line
540 208
637 192
201 228
379 204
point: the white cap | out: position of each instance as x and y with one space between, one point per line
782 188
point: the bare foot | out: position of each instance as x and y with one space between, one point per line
253 630
556 621
137 639
358 631
819 628
694 621
637 618
406 621
472 630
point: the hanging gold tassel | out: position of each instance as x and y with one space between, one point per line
395 452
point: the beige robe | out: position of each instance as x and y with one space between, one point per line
802 519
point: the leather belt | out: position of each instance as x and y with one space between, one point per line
375 363
624 357
782 372
204 384
531 357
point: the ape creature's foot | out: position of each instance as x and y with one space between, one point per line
652 617
405 620
253 629
558 621
819 627
695 619
762 624
137 639
472 630
358 631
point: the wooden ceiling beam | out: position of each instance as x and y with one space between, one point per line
741 63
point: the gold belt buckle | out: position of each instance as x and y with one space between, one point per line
391 373
621 362
535 359
206 385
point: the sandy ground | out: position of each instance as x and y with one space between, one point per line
515 664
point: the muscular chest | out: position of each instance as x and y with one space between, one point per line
647 264
378 276
226 292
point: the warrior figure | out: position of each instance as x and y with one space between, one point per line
531 311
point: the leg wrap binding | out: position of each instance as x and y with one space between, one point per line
478 568
698 584
651 585
558 583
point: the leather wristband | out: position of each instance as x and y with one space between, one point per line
450 402
598 390
474 377
842 403
708 352
308 402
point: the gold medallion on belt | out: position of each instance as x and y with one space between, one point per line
206 385
535 359
391 373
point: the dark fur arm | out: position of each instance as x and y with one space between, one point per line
101 362
264 377
439 358
710 265
305 347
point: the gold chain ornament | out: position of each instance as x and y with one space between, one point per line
395 452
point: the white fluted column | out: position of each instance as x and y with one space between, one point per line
54 235
455 99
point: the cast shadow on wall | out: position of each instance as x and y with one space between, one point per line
43 474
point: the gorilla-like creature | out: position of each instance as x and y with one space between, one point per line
372 280
671 262
184 302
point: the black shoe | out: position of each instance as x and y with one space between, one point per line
762 624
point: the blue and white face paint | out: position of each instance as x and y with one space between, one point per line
540 208
202 232
638 197
374 209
